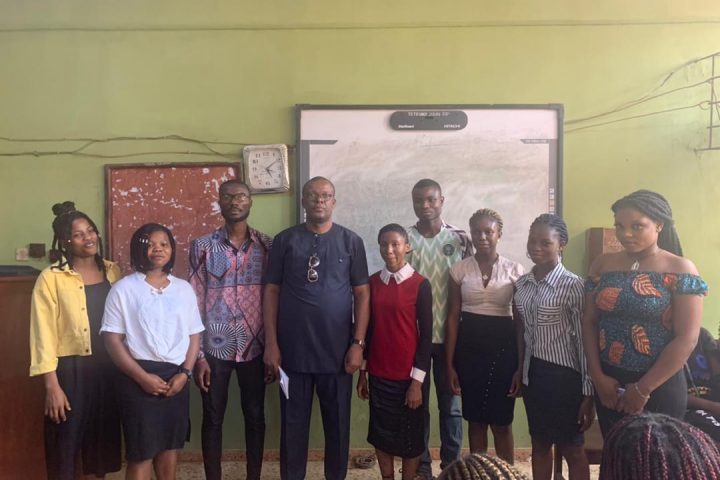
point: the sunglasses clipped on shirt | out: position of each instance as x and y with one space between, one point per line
313 263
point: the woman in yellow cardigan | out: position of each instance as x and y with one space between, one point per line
66 350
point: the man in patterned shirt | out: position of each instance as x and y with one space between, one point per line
436 246
227 267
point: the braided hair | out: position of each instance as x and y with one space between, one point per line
65 215
657 208
477 466
487 213
556 223
653 446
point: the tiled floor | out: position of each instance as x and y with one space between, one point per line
271 471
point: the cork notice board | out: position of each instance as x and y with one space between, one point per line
183 197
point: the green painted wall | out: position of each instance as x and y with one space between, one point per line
232 71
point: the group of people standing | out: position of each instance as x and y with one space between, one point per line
112 356
303 305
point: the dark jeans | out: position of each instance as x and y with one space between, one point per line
334 392
250 378
451 435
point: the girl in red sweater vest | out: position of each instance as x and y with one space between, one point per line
397 356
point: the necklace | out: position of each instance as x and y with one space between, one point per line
636 264
486 276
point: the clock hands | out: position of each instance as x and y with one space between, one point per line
267 168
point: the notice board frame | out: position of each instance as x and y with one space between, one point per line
204 177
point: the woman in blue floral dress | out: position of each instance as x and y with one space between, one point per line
642 316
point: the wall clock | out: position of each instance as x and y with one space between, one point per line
266 168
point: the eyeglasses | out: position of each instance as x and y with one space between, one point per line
323 197
313 263
227 197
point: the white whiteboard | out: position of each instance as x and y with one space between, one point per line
507 158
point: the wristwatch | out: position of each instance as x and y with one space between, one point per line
186 371
357 341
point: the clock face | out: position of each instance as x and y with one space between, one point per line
266 168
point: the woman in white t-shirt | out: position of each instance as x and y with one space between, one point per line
151 329
482 338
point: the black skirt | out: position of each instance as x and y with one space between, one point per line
153 424
669 398
552 402
92 426
485 361
394 428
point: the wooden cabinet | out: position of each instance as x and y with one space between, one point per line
22 454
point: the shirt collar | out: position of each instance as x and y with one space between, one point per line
400 276
552 277
222 234
65 268
442 227
142 276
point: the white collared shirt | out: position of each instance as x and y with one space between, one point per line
400 276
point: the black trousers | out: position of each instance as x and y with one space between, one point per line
250 378
334 392
669 398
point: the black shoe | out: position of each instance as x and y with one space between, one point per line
424 472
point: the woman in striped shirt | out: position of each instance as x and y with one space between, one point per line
558 390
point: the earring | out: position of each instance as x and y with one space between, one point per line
527 254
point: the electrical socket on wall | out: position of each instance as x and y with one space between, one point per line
22 254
